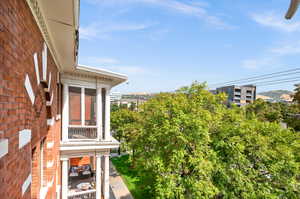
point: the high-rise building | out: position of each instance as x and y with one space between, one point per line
55 135
239 95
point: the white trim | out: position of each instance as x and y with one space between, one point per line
3 147
44 54
24 137
49 103
28 88
50 122
58 116
50 145
50 164
36 66
26 184
49 83
81 192
102 72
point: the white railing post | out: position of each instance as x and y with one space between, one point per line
65 113
98 176
64 175
99 114
107 115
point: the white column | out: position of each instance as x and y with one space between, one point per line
106 177
107 115
99 113
65 113
64 174
98 176
82 107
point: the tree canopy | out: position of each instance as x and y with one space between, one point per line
188 144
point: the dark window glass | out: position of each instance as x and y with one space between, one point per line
90 107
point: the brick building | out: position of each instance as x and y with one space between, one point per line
54 115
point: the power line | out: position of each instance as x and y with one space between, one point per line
260 77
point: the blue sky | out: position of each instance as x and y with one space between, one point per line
165 44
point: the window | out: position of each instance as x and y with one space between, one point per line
90 107
74 106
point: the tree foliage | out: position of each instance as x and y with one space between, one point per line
189 145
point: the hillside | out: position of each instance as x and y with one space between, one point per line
275 94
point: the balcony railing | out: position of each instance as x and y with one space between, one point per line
91 194
82 132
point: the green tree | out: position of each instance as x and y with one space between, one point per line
191 146
188 144
124 124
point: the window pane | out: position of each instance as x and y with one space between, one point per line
90 107
74 106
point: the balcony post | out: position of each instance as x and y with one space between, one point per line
64 175
106 176
65 113
82 106
98 176
99 114
107 115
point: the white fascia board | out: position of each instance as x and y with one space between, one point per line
24 137
102 72
26 184
3 147
29 90
36 66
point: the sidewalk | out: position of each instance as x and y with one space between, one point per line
118 187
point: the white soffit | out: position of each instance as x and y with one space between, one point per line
26 184
3 147
29 89
24 137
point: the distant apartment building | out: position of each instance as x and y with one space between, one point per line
239 95
115 96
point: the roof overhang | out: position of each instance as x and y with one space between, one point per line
116 78
58 21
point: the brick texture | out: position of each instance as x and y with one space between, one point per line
20 38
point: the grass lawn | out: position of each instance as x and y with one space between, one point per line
130 176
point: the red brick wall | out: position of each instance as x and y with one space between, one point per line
20 38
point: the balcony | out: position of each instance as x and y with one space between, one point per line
83 195
82 133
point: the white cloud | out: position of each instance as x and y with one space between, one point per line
101 60
276 22
104 30
128 70
193 8
287 48
257 63
113 64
